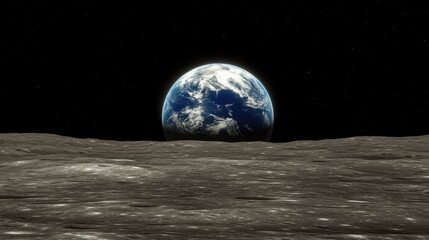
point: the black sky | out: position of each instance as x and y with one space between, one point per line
101 70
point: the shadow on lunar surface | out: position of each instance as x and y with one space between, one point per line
55 187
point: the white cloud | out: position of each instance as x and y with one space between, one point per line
228 124
215 77
192 119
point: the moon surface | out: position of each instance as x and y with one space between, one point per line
55 187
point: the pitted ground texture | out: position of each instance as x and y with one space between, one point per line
55 187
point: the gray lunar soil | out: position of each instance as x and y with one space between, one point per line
55 187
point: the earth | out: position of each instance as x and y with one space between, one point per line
218 102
